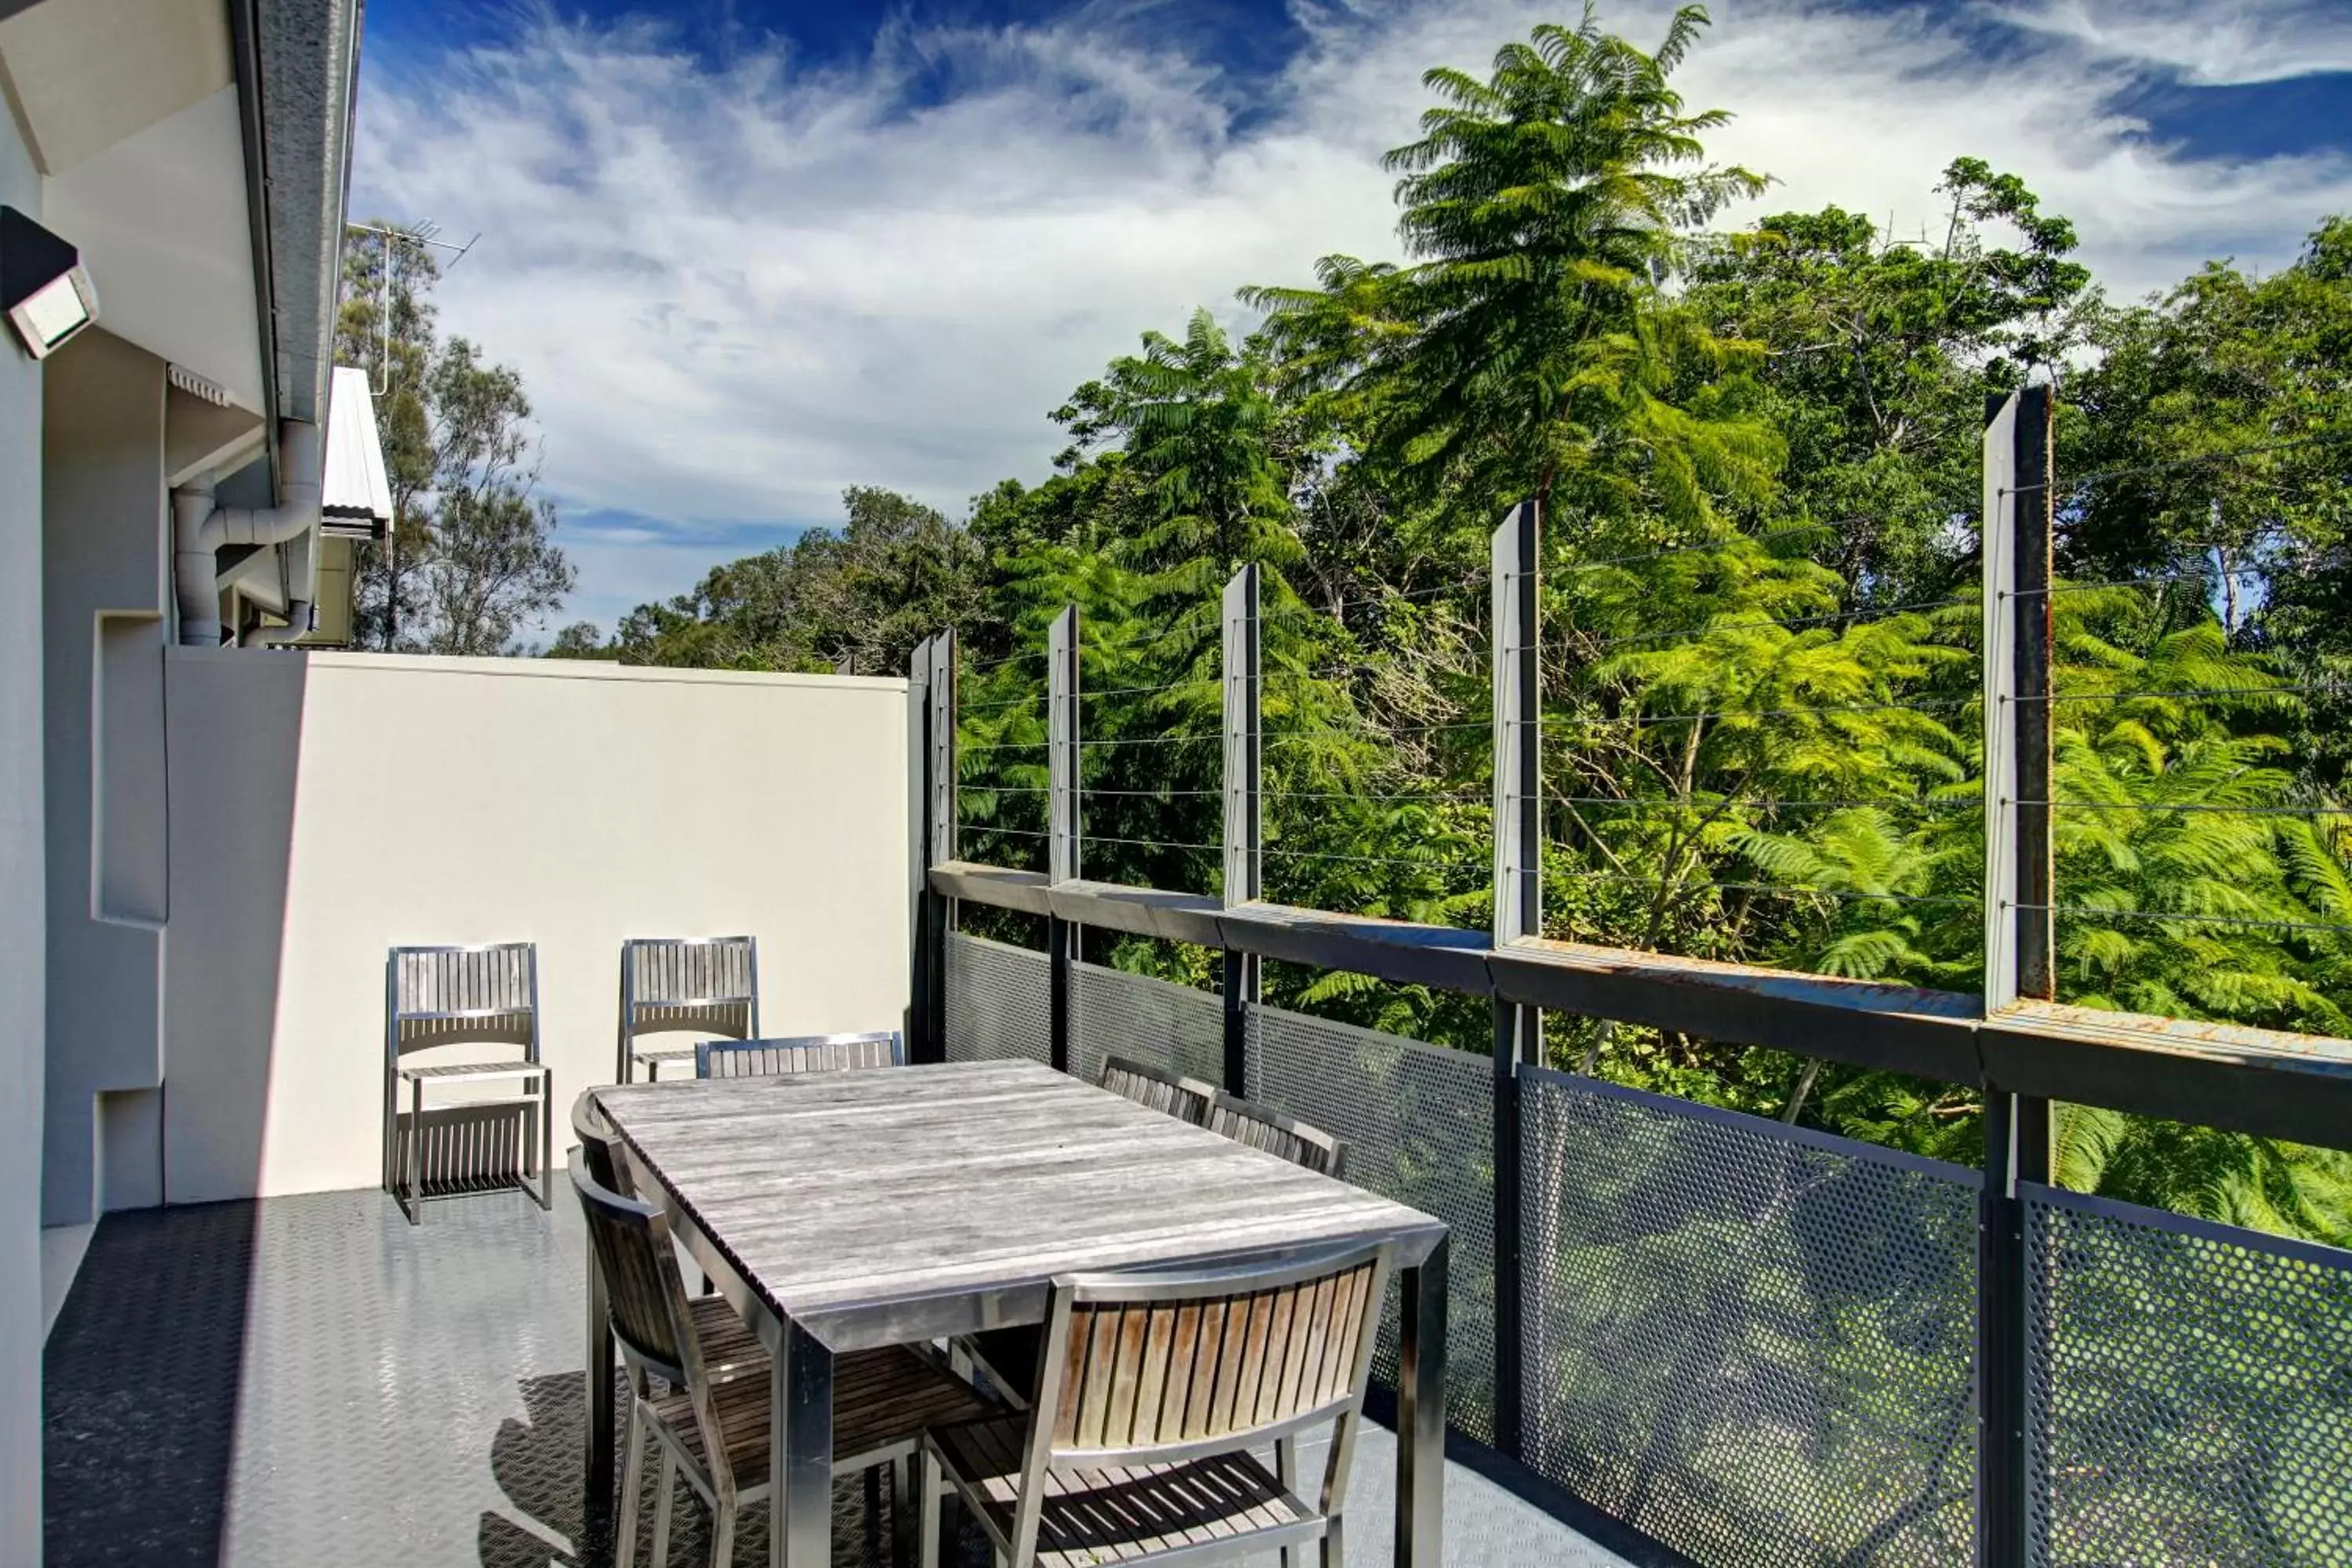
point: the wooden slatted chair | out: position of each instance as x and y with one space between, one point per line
1300 1143
716 1433
670 985
1157 1385
805 1053
1009 1356
444 996
729 1349
1185 1099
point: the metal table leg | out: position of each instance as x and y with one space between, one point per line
800 1459
1421 1415
600 1392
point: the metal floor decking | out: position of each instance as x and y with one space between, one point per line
307 1381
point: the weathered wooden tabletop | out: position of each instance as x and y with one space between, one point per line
892 1204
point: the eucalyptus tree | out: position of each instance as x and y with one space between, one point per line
864 594
471 558
2216 432
1878 352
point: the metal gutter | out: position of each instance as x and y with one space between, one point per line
245 47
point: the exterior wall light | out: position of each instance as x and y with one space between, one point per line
45 290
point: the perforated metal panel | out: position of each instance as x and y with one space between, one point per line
999 1001
1173 1028
1418 1121
2192 1397
1751 1342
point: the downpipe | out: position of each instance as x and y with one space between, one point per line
296 627
201 528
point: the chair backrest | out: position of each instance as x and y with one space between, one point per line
643 1289
457 995
1297 1142
707 983
807 1053
1186 1099
600 1146
1153 1366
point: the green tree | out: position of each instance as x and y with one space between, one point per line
1877 355
897 571
1528 351
581 639
1196 422
471 558
2260 367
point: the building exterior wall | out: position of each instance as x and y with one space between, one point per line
326 806
105 556
23 947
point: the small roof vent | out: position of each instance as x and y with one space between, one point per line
195 385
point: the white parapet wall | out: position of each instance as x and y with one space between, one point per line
326 806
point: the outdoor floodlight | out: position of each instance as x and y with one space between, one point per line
43 287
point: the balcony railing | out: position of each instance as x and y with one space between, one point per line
1750 1342
1761 1344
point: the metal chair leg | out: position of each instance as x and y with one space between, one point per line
1286 1470
928 1484
415 1150
722 1535
903 1548
665 1481
633 1485
389 1160
1334 1552
547 1142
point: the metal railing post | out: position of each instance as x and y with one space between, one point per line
940 766
1245 825
2020 939
918 844
1062 825
1519 914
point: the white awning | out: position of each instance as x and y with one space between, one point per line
359 497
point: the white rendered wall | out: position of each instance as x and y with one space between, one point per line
104 555
22 946
326 806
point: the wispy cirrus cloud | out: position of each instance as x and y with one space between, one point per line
2204 42
737 284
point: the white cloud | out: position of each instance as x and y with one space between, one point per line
734 289
2209 42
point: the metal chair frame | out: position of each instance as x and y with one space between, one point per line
1286 1137
715 1009
601 1149
688 1371
403 1179
711 1056
1185 1099
1045 1452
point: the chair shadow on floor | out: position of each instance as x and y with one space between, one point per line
539 1463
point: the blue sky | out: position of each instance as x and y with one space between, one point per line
748 253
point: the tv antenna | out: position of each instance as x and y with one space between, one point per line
427 233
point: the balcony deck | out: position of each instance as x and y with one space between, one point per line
306 1380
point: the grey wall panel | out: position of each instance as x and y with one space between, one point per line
2191 1392
997 998
1173 1028
23 919
1753 1343
1418 1121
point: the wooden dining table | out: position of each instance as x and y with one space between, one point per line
843 1211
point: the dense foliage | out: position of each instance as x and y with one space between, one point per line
1759 458
471 559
